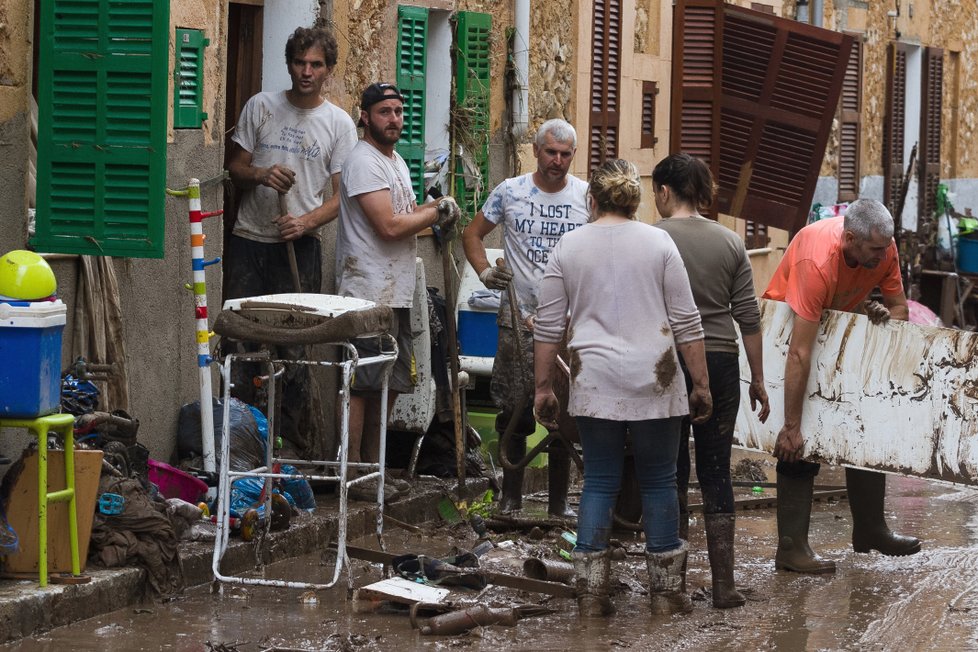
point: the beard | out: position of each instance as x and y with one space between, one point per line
382 136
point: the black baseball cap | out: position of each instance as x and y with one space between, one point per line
378 92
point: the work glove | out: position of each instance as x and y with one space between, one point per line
448 214
496 277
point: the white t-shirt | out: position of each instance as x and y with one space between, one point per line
533 222
368 267
311 142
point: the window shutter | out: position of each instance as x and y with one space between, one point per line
102 101
472 101
696 71
849 125
605 81
929 162
412 36
188 86
894 125
649 91
780 85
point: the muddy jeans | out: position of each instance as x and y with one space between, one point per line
655 444
255 268
715 437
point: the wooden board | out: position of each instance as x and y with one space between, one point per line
900 397
22 512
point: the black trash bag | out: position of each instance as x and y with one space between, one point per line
247 442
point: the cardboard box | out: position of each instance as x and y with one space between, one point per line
22 511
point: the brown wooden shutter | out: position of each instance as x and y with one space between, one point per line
781 86
605 81
929 166
649 92
849 125
894 125
696 66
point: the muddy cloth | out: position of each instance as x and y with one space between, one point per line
142 535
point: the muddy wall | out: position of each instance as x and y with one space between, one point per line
158 312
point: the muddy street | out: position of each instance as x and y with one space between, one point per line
926 601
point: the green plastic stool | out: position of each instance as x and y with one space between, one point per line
40 426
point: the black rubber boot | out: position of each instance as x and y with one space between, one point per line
665 583
720 544
512 498
558 480
794 518
592 579
866 491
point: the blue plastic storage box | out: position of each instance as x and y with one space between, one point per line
30 358
967 255
478 334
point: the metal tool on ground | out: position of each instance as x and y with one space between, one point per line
283 210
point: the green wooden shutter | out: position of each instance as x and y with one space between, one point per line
102 101
412 38
188 82
472 99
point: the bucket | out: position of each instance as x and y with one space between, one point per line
967 255
30 358
174 483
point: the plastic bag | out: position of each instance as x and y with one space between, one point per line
247 442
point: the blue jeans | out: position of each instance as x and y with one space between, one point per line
655 446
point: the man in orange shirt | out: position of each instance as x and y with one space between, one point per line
834 263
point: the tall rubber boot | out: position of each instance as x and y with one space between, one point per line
720 545
665 581
592 579
866 490
512 499
794 518
558 480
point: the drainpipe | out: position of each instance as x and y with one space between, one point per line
521 64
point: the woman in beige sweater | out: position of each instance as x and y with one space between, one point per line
620 289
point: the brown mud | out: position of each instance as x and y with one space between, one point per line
926 601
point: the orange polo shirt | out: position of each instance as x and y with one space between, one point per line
813 274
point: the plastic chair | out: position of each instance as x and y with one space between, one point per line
40 426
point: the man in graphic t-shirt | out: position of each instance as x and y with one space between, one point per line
289 142
534 209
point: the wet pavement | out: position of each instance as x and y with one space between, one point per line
928 601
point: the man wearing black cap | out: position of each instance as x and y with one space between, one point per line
294 143
376 245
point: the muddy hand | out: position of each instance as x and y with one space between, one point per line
790 445
278 177
496 277
758 396
546 409
877 312
700 405
291 228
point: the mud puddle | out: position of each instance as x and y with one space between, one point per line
926 601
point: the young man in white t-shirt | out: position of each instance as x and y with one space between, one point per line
535 209
289 142
376 246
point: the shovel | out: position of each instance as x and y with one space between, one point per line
283 209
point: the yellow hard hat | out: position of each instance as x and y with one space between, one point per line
24 275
